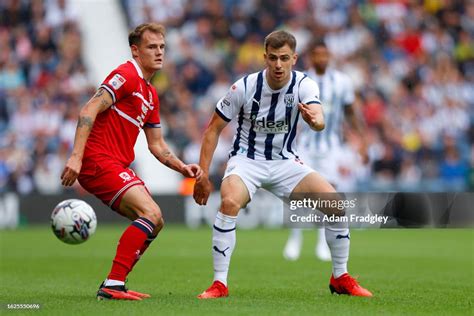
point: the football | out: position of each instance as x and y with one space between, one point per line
73 221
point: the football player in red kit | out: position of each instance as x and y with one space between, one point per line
107 130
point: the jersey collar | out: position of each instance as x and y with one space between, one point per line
139 71
268 86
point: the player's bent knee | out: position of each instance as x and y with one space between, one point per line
155 217
230 206
153 213
160 224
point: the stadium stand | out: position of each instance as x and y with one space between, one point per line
412 63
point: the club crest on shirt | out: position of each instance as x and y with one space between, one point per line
125 176
117 81
289 100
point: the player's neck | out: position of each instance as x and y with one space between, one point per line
147 75
320 71
276 85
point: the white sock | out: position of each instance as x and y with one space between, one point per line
113 282
321 236
339 248
223 244
296 233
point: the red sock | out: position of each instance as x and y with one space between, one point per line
143 249
129 247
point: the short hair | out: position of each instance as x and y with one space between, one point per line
317 42
135 36
278 39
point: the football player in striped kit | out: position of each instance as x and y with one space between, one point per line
321 150
267 106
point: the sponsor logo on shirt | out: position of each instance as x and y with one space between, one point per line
146 105
262 125
226 100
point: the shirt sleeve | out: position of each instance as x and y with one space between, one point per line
309 91
229 105
117 85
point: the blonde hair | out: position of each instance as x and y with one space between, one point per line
135 36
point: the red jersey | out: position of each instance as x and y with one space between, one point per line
135 105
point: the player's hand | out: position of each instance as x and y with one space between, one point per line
192 171
71 171
312 115
202 190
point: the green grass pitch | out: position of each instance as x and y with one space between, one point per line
409 271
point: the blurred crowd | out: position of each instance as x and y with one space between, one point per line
412 64
43 83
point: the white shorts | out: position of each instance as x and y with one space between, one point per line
279 177
327 165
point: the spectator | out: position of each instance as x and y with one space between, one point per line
411 63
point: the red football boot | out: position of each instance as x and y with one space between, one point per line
140 295
216 290
115 293
119 292
345 284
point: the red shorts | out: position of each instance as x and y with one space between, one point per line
107 179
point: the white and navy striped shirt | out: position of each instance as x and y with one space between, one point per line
267 119
336 92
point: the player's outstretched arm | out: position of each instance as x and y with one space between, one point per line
202 187
313 115
100 102
159 148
